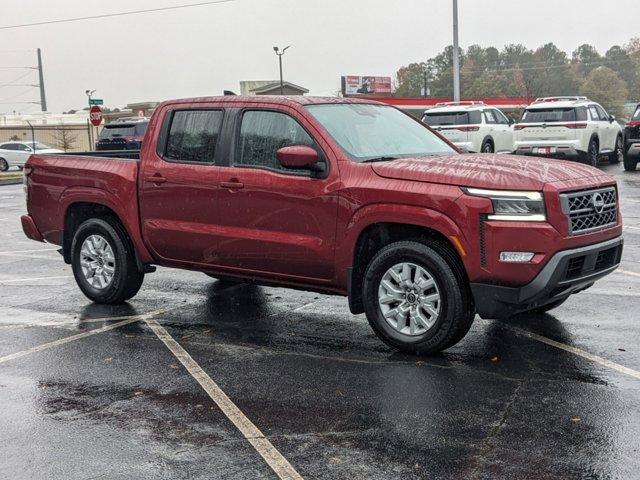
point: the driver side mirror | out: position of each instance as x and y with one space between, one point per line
298 157
611 118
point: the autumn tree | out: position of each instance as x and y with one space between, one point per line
65 139
410 80
605 86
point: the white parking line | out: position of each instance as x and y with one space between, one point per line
33 279
576 351
627 272
79 336
264 447
39 250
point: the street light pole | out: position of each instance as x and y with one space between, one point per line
280 53
456 59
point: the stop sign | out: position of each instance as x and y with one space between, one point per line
95 115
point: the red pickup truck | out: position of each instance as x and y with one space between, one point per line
338 196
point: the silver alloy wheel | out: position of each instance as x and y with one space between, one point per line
97 262
409 299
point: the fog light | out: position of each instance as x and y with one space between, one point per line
516 257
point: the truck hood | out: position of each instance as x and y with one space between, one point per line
485 171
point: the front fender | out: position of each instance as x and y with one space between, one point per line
392 213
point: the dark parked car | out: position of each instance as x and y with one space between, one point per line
632 141
123 134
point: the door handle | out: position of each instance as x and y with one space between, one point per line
157 179
232 185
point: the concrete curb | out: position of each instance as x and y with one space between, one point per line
11 179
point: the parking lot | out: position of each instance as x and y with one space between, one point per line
196 378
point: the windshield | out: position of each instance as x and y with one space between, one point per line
367 131
545 115
451 118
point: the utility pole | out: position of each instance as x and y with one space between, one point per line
43 98
280 54
456 59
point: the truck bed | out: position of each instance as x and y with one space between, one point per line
60 180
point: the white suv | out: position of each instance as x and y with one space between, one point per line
472 126
570 128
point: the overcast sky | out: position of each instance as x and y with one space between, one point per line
205 49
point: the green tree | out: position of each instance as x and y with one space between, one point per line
605 86
619 60
410 79
553 75
584 60
493 83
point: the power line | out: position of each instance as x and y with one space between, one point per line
17 79
118 14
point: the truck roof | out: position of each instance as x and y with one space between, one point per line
290 100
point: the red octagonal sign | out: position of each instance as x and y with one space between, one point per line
95 115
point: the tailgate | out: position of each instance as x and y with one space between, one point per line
454 133
541 132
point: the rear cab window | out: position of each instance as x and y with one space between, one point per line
435 119
124 130
193 135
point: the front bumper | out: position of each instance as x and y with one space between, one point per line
567 272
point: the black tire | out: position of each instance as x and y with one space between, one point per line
487 147
630 164
618 152
4 165
591 156
127 279
456 312
549 306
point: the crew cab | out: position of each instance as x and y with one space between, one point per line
340 196
572 128
632 141
472 126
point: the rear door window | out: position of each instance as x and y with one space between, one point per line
636 116
548 115
489 117
604 116
594 113
193 135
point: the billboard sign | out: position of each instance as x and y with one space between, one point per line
365 85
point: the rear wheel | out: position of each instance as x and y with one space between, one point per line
487 146
591 157
103 262
618 153
416 298
4 165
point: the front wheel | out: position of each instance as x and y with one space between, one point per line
630 164
103 262
4 165
416 298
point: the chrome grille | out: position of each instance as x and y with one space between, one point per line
590 210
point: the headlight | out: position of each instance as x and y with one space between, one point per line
513 205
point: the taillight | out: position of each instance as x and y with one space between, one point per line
26 171
468 129
574 126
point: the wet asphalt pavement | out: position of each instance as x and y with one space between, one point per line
536 397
